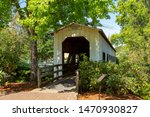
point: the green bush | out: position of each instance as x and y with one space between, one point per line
139 87
11 50
114 85
91 71
121 78
22 72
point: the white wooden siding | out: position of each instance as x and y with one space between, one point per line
105 47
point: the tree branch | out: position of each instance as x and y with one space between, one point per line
21 13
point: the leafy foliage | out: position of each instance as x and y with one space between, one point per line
5 12
11 49
121 78
114 83
45 48
22 72
93 9
134 18
45 15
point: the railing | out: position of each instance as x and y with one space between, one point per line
43 72
54 73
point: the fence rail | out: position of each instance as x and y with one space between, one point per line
54 72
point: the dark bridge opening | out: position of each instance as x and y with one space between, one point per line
72 50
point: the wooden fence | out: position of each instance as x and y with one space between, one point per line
55 72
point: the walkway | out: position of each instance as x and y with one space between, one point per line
62 90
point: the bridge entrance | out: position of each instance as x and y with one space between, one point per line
72 50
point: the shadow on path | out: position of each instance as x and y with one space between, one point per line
64 85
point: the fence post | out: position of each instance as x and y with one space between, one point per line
39 78
57 73
77 81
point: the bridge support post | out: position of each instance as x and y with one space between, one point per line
77 81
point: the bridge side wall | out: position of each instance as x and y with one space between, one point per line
105 48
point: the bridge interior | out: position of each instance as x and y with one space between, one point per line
73 48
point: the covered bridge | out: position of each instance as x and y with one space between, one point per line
73 40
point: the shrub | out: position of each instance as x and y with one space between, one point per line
11 49
90 72
22 72
139 87
14 48
113 85
121 78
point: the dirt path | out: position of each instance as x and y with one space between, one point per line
95 96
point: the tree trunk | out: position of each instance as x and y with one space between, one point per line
34 61
33 43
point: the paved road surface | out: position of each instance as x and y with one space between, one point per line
63 90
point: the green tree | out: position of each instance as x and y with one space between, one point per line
81 10
134 18
11 49
45 48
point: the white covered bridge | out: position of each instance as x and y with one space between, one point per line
75 39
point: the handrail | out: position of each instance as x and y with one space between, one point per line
55 71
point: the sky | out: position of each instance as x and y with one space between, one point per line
109 26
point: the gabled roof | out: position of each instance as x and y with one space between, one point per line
99 30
